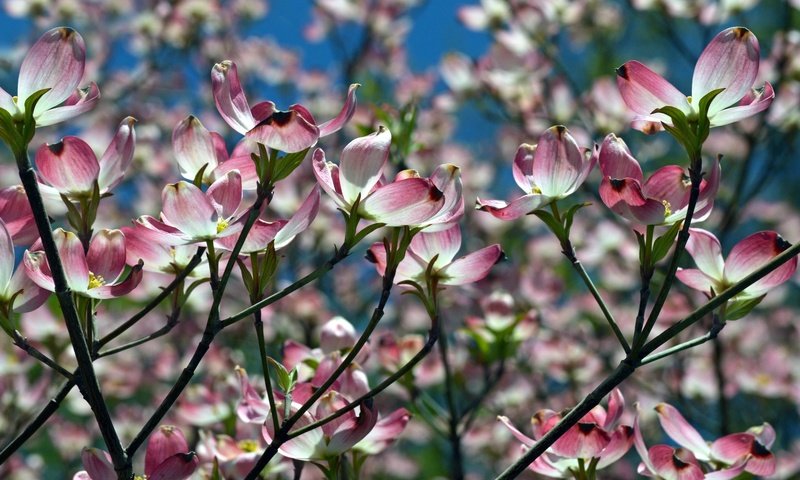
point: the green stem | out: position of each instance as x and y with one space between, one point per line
711 335
22 343
262 349
457 462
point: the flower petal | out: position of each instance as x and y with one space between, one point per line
523 167
621 441
327 175
472 267
387 430
616 160
643 90
69 165
706 252
288 131
165 442
558 163
226 194
681 431
625 198
362 164
258 238
118 289
56 61
413 201
194 148
15 211
349 107
754 102
187 208
444 243
106 255
447 178
98 464
670 466
696 279
31 296
515 209
7 257
118 156
521 437
177 467
300 221
752 253
229 97
82 100
737 447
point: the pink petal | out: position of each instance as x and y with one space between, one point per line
16 212
406 202
106 256
118 156
226 194
56 61
229 97
387 430
288 131
511 211
444 243
621 441
706 252
300 221
349 107
668 184
98 464
251 408
142 243
177 467
625 198
738 447
669 465
558 163
641 448
730 61
697 280
521 437
764 433
643 90
728 473
165 442
118 289
362 164
82 100
38 271
752 253
187 208
544 465
616 405
32 296
751 104
523 167
447 178
7 257
471 268
347 436
69 165
244 164
616 161
327 175
584 440
73 259
258 238
194 148
681 431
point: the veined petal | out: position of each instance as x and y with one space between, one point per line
327 175
669 184
288 131
106 255
165 442
118 156
82 100
643 90
739 446
300 221
194 148
515 209
244 164
56 61
70 165
754 102
730 61
229 97
362 163
616 405
447 178
251 408
444 243
15 211
522 168
696 279
641 448
98 464
226 194
347 436
387 430
472 267
38 270
524 439
187 208
670 466
681 431
406 202
584 440
706 252
177 467
625 198
616 160
141 243
73 259
32 296
7 257
118 289
621 442
258 238
752 253
558 163
349 107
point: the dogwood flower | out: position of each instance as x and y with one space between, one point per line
662 199
552 169
289 131
730 62
15 286
56 61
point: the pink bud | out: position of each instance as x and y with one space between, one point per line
337 334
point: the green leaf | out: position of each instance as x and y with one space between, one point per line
663 243
198 177
568 217
215 475
284 379
703 124
554 225
73 214
287 164
642 246
29 124
737 309
8 132
680 128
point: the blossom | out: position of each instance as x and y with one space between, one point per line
71 167
409 200
167 458
97 273
552 169
662 199
56 62
596 436
442 245
289 131
17 290
730 62
16 214
713 275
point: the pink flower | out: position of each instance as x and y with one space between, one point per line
17 291
730 61
409 200
167 458
444 245
715 275
15 212
56 61
596 435
289 131
662 199
97 273
71 167
550 170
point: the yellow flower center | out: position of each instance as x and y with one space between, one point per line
222 224
536 190
248 446
667 208
96 280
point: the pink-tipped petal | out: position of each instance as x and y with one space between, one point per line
625 198
668 184
621 442
669 464
641 448
347 436
643 90
407 202
444 243
752 253
15 211
118 289
558 163
516 208
73 259
7 257
300 221
165 442
288 131
736 447
754 102
706 252
187 208
729 473
616 160
258 238
70 166
82 100
362 164
730 61
681 431
524 439
194 148
523 167
696 279
177 467
226 194
764 433
584 440
38 271
31 295
229 97
327 175
56 61
616 405
106 256
349 107
387 430
473 267
251 408
244 164
447 178
118 156
98 464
